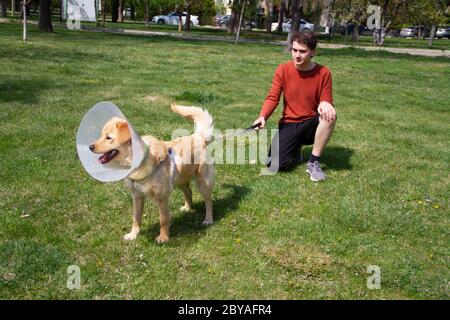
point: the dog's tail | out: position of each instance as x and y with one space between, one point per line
202 119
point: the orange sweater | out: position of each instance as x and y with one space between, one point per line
302 92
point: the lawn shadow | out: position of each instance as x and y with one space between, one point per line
188 226
335 158
24 91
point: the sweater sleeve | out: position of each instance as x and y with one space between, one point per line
326 92
273 97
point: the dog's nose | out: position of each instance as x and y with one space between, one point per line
92 147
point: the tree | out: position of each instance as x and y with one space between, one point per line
427 13
297 9
3 4
114 10
120 10
147 14
205 10
188 15
390 14
45 19
268 12
281 14
24 16
351 12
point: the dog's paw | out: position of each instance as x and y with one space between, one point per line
185 209
207 222
130 236
162 239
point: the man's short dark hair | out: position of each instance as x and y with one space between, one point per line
307 38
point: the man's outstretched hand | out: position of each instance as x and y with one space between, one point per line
262 122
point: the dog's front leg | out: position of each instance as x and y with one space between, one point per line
164 220
138 206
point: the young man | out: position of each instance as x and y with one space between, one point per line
308 113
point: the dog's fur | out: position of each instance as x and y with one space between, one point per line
169 164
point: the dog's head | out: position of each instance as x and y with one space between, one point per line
114 143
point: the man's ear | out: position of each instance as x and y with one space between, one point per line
123 132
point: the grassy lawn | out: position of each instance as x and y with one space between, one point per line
277 237
261 35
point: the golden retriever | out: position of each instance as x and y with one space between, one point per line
168 164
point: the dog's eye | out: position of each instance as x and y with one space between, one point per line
108 138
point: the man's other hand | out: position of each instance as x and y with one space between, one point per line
326 111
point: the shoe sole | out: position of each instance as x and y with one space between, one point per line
311 177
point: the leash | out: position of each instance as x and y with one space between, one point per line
240 132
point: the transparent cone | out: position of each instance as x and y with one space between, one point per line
90 130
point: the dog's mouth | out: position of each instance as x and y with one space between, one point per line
108 156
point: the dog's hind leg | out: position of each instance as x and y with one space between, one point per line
164 220
204 180
138 205
187 198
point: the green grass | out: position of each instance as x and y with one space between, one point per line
261 35
277 237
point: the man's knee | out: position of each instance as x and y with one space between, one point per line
284 165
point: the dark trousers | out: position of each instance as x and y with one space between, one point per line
284 151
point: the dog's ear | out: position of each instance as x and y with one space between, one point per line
123 132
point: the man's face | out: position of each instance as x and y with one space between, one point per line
301 54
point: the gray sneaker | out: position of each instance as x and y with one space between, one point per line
315 172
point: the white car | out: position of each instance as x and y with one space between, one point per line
173 18
443 32
304 25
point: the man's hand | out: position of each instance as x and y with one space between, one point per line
262 121
326 111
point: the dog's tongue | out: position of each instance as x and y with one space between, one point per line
107 157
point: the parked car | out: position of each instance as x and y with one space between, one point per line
443 32
217 18
409 32
173 18
304 25
414 31
223 23
363 30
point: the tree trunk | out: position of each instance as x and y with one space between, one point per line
24 12
114 10
269 5
120 10
26 8
188 16
45 19
147 14
240 22
281 16
233 21
180 20
3 8
297 8
432 34
103 12
132 12
355 35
